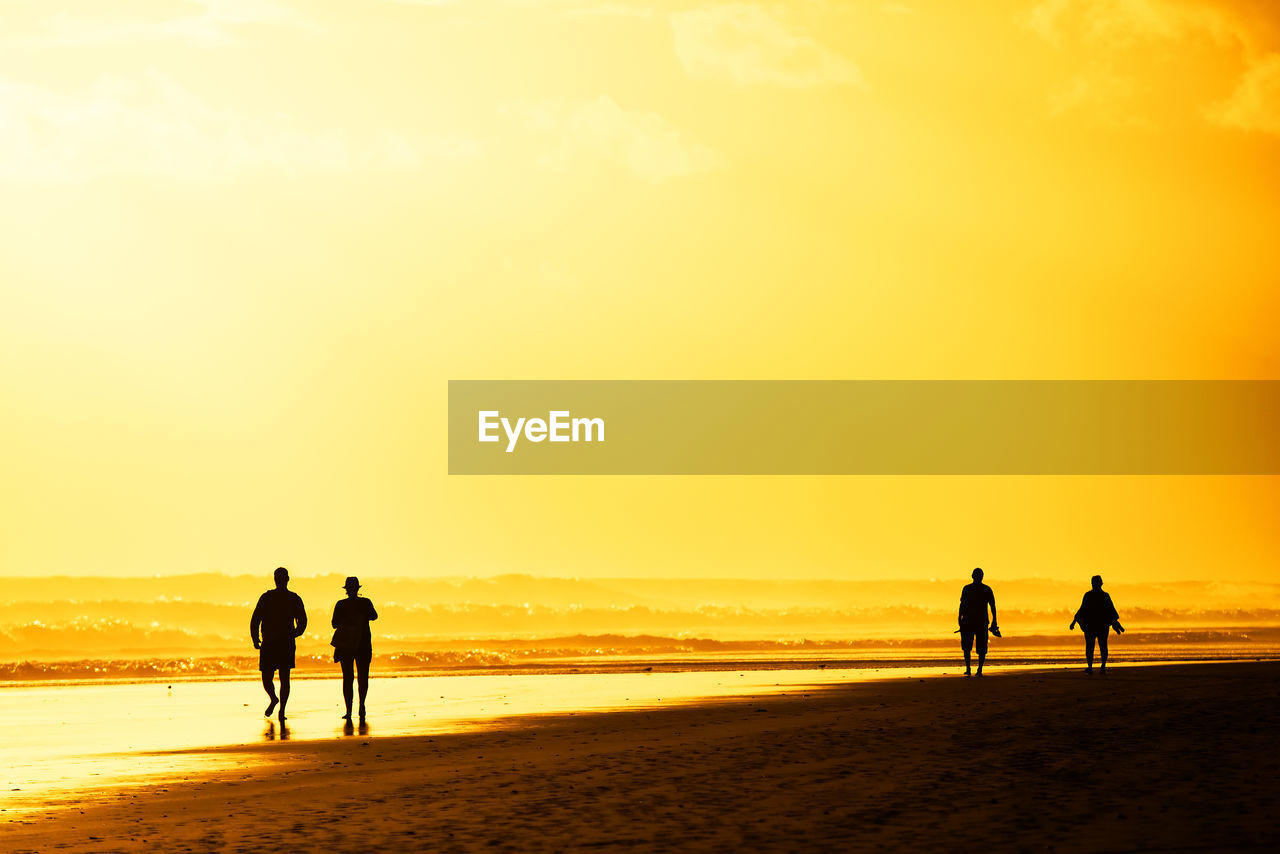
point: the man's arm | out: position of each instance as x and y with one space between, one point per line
337 606
960 613
300 617
991 597
255 623
373 613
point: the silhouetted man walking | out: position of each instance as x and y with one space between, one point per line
974 600
1096 616
282 618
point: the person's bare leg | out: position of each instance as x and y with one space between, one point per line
284 692
270 688
1088 651
982 659
1102 652
348 676
364 687
968 669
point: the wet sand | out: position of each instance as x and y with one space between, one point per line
83 737
1154 758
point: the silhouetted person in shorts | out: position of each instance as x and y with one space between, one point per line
974 600
1096 617
282 618
353 642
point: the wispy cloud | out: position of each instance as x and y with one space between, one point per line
1044 19
1255 103
1122 23
205 23
153 126
1107 94
747 45
1107 31
644 143
613 10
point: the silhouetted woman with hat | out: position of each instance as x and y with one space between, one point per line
353 642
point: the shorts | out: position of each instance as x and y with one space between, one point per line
967 637
276 655
1099 635
359 656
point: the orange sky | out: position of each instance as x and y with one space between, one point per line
244 245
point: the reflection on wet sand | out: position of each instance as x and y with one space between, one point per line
1149 758
158 730
276 732
350 729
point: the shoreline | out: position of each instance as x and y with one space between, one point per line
1153 756
699 662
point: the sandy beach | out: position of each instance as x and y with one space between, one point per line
1151 758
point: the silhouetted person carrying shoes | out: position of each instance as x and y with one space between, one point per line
353 642
1096 617
974 600
282 618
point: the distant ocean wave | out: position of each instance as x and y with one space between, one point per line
587 653
197 626
102 629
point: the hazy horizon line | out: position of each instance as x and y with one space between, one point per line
961 577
